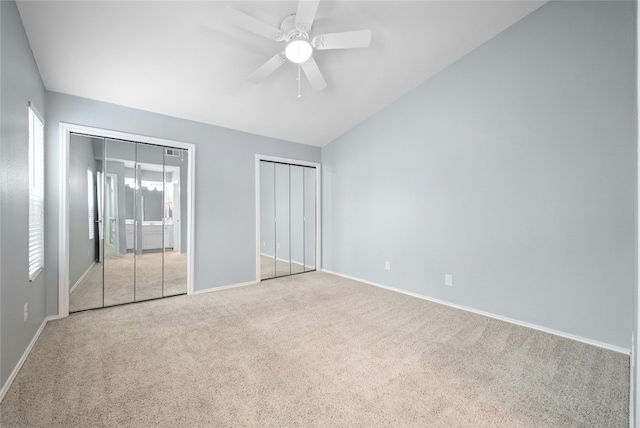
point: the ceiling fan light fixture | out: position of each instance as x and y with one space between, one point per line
298 50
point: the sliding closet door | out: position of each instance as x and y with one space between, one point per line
175 222
287 219
149 251
310 198
85 262
296 225
283 255
118 215
267 221
128 223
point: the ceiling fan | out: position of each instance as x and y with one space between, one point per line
299 45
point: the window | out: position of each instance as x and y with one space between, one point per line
36 193
90 203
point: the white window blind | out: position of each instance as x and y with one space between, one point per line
36 193
90 203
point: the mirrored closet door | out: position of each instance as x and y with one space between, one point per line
127 222
287 219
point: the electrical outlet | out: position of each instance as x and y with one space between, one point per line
448 280
26 311
387 265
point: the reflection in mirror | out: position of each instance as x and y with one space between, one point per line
283 259
310 219
174 215
119 275
287 219
149 233
267 221
128 222
296 185
85 259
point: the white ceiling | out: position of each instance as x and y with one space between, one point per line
180 58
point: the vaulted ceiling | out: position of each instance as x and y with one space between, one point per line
182 58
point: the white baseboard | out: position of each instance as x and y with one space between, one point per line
225 287
18 366
82 277
490 315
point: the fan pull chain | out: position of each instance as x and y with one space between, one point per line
299 81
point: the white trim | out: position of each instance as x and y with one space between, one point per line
18 366
191 213
82 277
490 315
287 160
315 165
40 117
2 192
225 287
258 242
634 384
63 221
64 138
318 218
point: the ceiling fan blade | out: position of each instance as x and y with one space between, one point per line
267 68
346 40
314 75
249 23
305 14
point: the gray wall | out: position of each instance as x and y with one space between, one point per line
19 84
225 224
82 250
513 169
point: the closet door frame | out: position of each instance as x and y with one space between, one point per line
294 162
65 131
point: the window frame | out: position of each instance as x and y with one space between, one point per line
36 193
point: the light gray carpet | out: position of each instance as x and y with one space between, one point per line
311 350
119 280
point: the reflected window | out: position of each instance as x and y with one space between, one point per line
90 203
